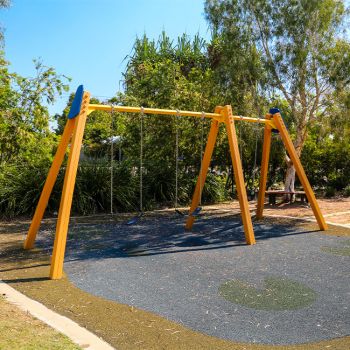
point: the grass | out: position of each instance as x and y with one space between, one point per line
19 331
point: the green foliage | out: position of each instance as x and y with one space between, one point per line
19 188
288 50
25 137
3 4
164 74
347 191
97 132
326 154
239 73
26 142
295 50
327 162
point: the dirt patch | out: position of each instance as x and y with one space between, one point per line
122 326
334 210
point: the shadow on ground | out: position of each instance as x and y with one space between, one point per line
155 236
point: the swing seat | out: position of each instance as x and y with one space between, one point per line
196 212
134 220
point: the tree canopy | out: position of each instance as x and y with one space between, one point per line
25 136
300 49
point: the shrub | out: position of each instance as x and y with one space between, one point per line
330 192
20 188
347 191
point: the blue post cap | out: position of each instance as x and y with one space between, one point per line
76 104
274 111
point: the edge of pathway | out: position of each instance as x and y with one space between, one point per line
62 324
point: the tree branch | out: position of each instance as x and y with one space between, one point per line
265 45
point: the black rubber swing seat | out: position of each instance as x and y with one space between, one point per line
196 212
134 220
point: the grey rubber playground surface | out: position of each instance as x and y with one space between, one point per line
156 266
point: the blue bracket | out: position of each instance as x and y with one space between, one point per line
76 104
274 111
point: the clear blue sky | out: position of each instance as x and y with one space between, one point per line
88 40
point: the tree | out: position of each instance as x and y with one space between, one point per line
305 58
173 74
167 74
3 4
25 136
236 62
97 131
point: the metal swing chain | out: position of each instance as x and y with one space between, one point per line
256 149
259 110
241 139
176 147
141 159
200 174
112 158
176 157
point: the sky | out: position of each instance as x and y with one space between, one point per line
88 40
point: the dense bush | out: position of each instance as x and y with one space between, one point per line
327 162
20 189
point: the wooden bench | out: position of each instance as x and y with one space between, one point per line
293 195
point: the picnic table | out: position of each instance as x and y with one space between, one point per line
273 194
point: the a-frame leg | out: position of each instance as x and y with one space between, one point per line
49 183
299 170
204 169
264 169
239 178
56 270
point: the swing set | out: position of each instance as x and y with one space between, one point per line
73 134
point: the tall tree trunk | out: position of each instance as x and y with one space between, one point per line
290 176
298 144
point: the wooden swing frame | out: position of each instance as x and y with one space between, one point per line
73 135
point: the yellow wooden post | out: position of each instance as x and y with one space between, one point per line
49 183
67 193
299 170
204 169
264 169
239 178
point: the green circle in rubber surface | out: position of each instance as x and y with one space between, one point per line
279 294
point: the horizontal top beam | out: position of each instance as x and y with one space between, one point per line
217 116
127 109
